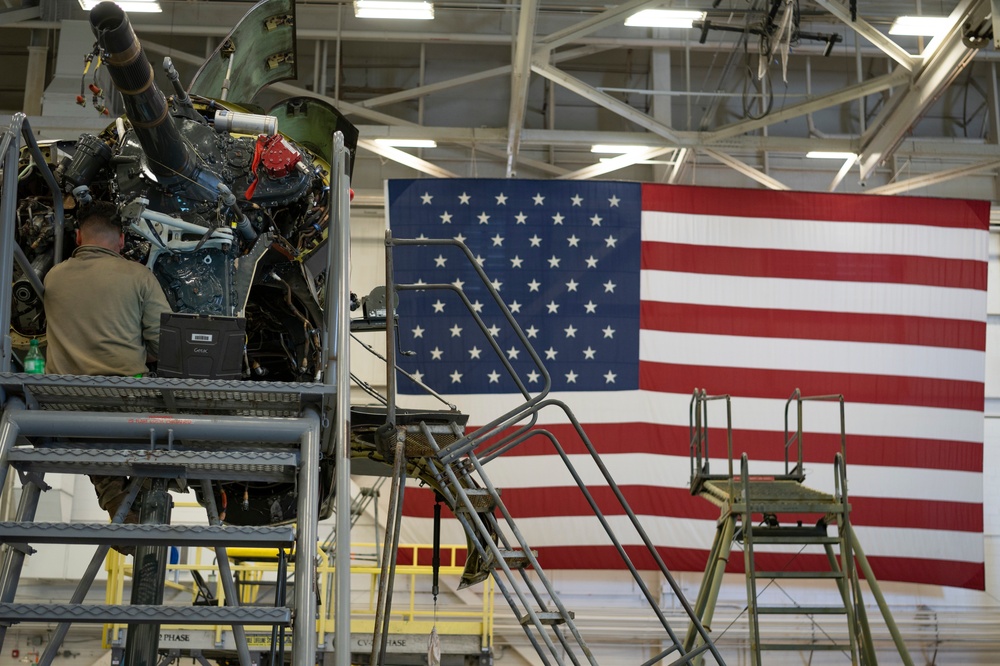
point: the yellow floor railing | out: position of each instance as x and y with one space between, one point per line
413 610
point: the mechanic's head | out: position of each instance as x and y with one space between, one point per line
99 225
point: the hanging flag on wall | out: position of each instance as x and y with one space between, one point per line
634 295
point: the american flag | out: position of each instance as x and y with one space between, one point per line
634 295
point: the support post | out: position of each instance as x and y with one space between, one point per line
388 568
87 579
149 578
13 559
338 379
866 569
304 629
8 208
226 574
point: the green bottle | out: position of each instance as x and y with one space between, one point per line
34 362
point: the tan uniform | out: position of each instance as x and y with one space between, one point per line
103 314
102 318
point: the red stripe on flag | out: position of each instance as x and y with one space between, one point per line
970 575
762 445
678 502
802 265
765 383
846 326
698 200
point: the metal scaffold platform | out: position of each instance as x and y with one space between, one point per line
764 513
183 433
153 446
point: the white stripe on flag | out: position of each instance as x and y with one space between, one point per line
815 236
866 358
813 295
748 413
698 534
647 469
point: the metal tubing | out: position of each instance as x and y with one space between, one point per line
718 565
749 564
29 272
458 448
9 432
847 552
8 212
527 549
890 622
304 630
388 569
702 600
13 559
36 423
149 578
87 579
390 335
491 521
397 519
50 180
223 234
607 529
634 520
483 553
480 528
280 599
339 366
226 574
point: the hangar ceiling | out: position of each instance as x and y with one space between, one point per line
526 88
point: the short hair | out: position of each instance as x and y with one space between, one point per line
99 220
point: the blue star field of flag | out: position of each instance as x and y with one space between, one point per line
564 257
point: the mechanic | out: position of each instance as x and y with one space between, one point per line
103 317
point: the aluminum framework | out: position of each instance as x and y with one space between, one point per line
301 423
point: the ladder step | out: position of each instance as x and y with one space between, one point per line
515 559
805 647
801 610
481 499
547 618
224 465
172 535
799 574
791 539
776 507
101 614
417 445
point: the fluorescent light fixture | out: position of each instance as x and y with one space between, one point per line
920 26
134 6
665 18
393 9
407 143
830 155
616 149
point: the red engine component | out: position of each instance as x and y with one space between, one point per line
278 156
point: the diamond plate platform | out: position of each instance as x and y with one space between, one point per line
225 465
99 613
156 394
171 535
772 496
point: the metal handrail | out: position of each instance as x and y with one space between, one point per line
473 440
698 430
749 562
452 483
798 471
10 151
